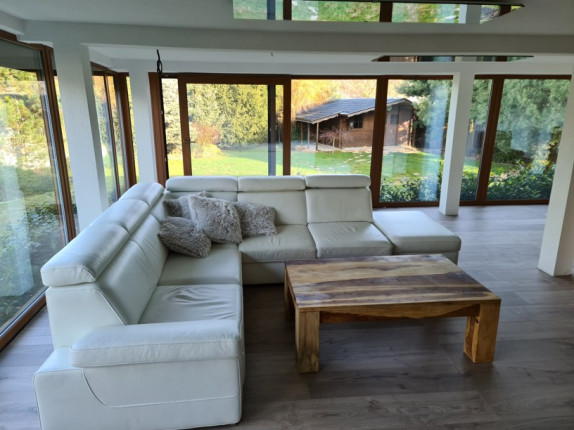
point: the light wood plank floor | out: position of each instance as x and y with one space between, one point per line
399 374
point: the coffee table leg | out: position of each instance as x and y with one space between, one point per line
288 300
481 329
307 341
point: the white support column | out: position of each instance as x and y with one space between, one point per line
143 123
469 14
82 129
557 252
456 136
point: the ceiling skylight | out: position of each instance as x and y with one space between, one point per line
399 11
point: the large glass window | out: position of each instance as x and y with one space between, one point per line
133 145
426 12
228 129
365 11
31 212
527 137
112 133
415 132
332 125
476 138
335 11
118 135
106 137
258 9
172 127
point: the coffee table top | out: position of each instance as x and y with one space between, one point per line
325 284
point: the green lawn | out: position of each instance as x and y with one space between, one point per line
254 162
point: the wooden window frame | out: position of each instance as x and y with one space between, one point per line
378 128
490 139
65 206
206 78
126 132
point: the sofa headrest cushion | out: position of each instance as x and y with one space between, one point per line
201 183
271 183
337 181
148 192
128 214
85 257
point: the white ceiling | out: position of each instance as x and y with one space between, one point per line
204 31
538 17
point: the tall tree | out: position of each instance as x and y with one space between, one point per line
308 93
22 128
237 112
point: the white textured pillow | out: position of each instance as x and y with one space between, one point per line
256 220
217 218
181 236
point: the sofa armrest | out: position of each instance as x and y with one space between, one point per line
157 343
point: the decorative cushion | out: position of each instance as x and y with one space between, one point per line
180 235
256 220
173 207
180 207
217 218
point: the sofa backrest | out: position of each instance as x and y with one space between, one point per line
336 198
220 187
286 194
106 275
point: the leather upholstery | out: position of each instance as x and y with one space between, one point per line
349 239
222 266
290 242
339 204
337 181
86 256
270 183
132 354
290 206
413 232
209 302
137 397
201 183
164 342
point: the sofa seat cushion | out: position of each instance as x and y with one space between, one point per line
221 266
292 242
349 239
200 302
413 232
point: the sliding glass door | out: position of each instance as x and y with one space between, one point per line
32 215
227 127
415 123
392 128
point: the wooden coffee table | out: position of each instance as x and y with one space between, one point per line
379 288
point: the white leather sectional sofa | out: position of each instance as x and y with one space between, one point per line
148 339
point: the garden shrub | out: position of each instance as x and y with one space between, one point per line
524 184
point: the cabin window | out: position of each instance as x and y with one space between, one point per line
356 121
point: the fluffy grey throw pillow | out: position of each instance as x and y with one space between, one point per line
256 220
217 218
180 207
180 235
173 207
